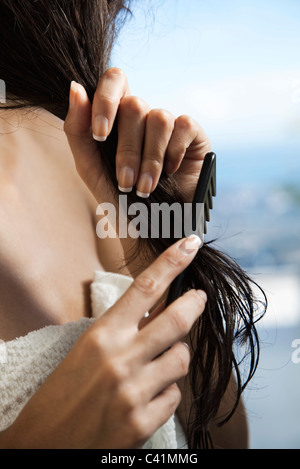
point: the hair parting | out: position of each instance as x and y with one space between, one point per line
44 46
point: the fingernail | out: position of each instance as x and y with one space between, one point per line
126 179
190 244
144 186
100 128
73 92
202 294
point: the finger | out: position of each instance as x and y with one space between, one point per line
132 116
159 374
149 286
160 125
77 127
185 131
145 420
189 136
161 408
170 326
112 87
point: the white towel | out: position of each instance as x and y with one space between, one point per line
26 362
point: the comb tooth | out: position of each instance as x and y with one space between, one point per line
206 190
206 211
210 200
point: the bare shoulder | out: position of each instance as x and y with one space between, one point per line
232 435
235 433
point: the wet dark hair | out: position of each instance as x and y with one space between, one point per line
44 46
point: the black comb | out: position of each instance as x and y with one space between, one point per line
205 191
202 204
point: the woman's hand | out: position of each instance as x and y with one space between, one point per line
149 140
117 385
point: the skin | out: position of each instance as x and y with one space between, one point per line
49 244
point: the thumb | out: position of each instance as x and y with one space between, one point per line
77 128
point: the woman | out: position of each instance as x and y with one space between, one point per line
110 382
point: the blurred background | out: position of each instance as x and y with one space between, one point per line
234 66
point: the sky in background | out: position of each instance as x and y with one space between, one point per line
232 65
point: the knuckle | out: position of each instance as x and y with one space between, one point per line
177 151
133 106
174 396
95 342
182 357
128 397
115 72
180 322
116 373
206 146
153 162
145 284
107 100
126 151
138 426
161 118
186 123
71 128
155 158
172 260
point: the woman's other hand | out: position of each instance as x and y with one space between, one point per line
117 385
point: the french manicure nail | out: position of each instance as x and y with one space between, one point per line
100 128
126 179
143 195
73 92
144 186
190 244
202 294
